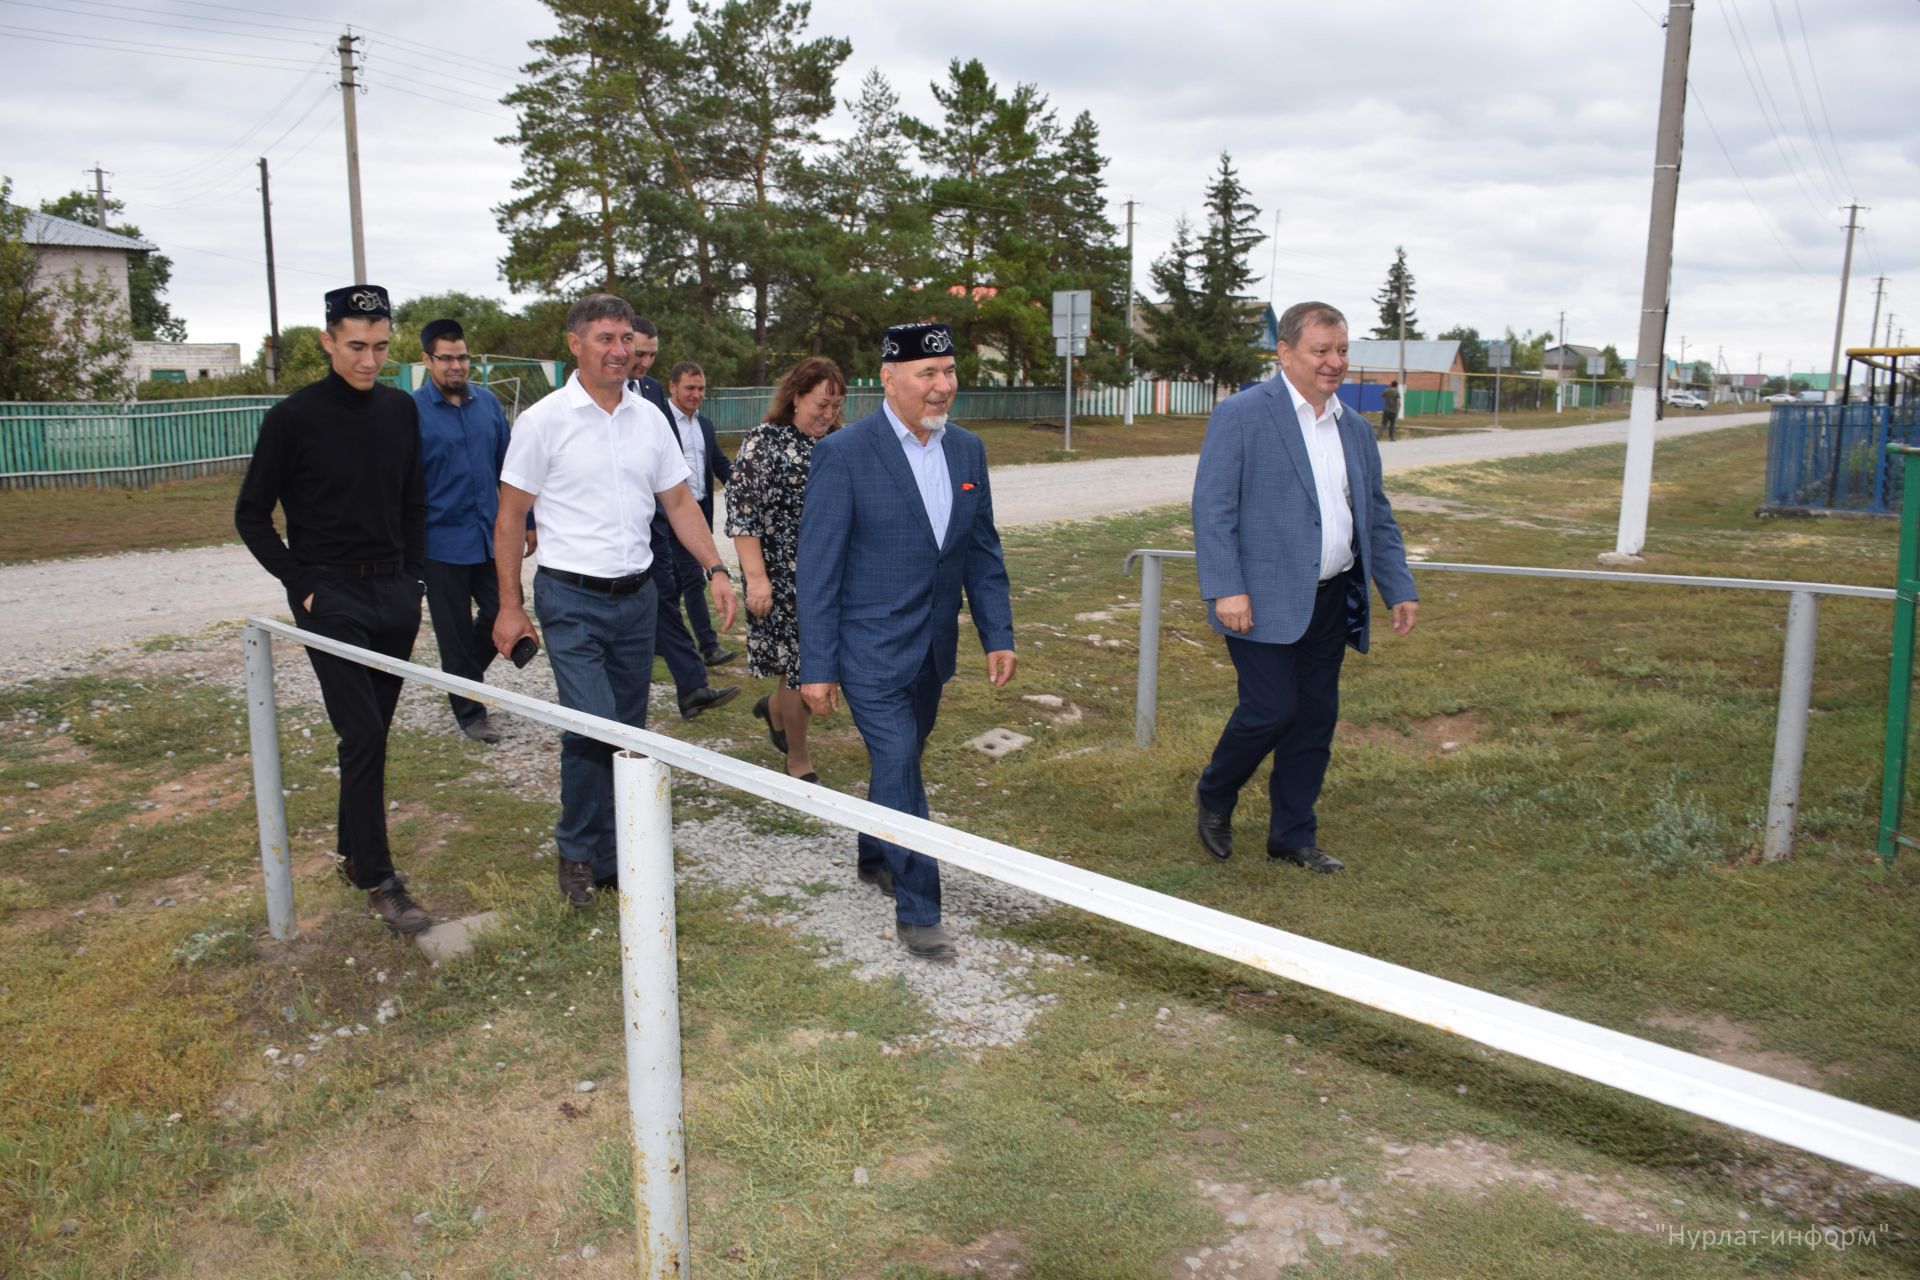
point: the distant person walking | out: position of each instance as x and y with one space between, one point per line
764 503
341 457
463 441
898 521
1390 407
671 640
1292 528
707 466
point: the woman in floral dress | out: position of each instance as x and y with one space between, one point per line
763 519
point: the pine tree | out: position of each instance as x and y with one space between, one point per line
1175 348
1227 325
1398 292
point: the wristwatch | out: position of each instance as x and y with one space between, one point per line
719 570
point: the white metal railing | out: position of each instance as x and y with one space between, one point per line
1796 662
1877 1141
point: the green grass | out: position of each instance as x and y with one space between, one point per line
1588 845
47 524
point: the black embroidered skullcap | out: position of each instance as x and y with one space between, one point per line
364 301
438 329
915 342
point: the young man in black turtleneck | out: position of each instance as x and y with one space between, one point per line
342 458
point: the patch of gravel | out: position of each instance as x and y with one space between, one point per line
806 883
981 1000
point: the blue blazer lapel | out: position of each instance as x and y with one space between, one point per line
1287 422
894 463
960 501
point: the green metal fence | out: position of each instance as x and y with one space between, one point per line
737 410
57 445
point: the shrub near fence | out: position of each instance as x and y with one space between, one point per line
1833 457
136 443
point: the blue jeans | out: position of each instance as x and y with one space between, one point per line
894 723
601 651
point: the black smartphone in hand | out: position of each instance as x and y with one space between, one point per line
523 651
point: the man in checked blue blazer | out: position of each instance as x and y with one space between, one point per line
1292 528
898 520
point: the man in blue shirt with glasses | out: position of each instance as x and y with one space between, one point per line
463 440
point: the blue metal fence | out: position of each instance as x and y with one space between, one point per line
1833 457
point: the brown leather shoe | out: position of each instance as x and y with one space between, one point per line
395 909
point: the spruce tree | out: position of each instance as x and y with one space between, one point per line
1396 293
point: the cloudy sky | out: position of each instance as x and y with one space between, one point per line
1507 144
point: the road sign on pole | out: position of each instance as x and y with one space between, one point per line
1072 322
1499 355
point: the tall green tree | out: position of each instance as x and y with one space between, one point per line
1395 295
768 87
1228 324
865 253
582 214
148 274
1175 347
1473 349
62 337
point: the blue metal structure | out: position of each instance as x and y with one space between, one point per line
1833 457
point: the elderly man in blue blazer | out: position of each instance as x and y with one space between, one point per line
1292 528
898 520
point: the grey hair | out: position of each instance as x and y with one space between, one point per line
597 306
1301 314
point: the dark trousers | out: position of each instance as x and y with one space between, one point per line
600 647
382 614
1289 701
692 582
1387 418
894 723
462 600
670 638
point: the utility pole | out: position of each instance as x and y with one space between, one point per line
273 296
1879 288
1403 339
99 196
1128 418
1889 328
1840 321
1637 483
1560 384
348 90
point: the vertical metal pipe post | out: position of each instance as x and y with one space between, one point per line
650 984
1790 728
269 802
1893 768
1147 690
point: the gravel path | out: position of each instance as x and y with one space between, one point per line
94 614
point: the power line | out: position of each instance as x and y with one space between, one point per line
1800 96
1820 96
445 102
1774 119
200 196
180 178
435 71
182 52
67 10
422 84
1741 179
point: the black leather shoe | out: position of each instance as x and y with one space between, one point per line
481 730
926 941
705 698
718 656
1216 829
1311 857
880 878
760 712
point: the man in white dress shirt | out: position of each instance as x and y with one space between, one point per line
598 458
1291 527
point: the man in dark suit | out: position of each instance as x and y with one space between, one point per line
670 638
708 466
898 519
1292 528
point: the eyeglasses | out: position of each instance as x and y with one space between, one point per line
452 359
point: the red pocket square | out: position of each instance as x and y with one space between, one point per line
966 484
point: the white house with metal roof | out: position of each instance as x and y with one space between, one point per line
66 247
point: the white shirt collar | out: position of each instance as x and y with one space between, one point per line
578 396
905 433
1334 404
